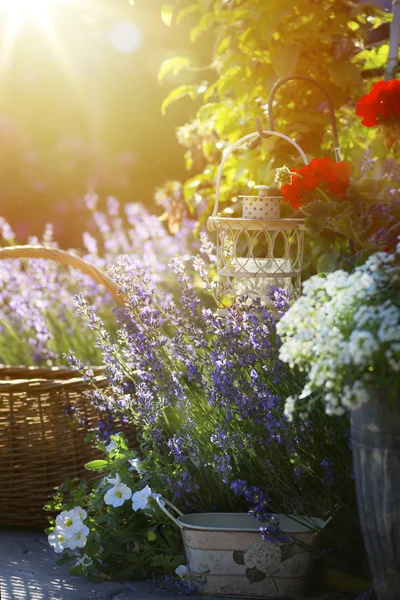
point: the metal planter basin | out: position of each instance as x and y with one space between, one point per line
226 555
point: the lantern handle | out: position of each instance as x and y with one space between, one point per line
248 138
327 96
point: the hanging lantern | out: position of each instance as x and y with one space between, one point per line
259 249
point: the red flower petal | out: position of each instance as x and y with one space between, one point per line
382 103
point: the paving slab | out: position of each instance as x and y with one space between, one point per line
29 571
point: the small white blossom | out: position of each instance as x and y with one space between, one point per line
58 539
70 521
362 346
136 465
343 333
78 539
183 572
114 480
117 495
145 499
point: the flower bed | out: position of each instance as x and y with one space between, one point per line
205 395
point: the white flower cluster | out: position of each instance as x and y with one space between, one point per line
344 334
70 531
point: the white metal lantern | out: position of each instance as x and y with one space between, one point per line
258 250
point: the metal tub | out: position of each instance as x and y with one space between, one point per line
226 555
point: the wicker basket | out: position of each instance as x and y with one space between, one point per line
40 444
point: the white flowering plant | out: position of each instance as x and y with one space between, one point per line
115 528
343 334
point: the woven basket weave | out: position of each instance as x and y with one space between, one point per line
40 444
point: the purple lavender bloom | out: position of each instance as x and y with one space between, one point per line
273 534
328 478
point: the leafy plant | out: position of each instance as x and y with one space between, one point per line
204 395
255 43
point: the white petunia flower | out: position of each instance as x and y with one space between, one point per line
70 521
114 480
81 512
183 572
117 495
136 465
58 540
79 538
145 499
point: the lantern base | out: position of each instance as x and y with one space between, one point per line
256 288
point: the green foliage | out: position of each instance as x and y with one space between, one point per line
122 544
255 44
97 465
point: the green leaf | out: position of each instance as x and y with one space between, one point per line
287 551
238 557
177 93
223 45
166 14
270 20
96 465
319 209
344 74
377 57
284 58
317 213
254 575
344 225
174 65
367 189
188 10
328 262
205 22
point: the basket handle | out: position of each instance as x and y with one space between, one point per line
65 258
248 138
162 502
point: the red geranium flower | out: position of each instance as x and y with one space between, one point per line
321 174
381 105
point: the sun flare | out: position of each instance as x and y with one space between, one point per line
15 14
20 9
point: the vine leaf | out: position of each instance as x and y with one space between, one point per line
173 65
254 575
284 58
166 14
287 552
238 557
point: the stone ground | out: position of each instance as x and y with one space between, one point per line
28 571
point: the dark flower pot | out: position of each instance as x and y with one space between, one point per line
376 454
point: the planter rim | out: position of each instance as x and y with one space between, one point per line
241 522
